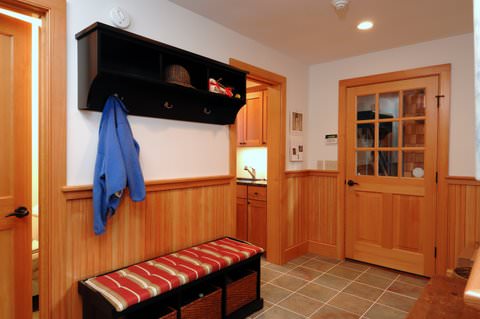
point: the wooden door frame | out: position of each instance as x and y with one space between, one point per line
52 127
443 71
276 139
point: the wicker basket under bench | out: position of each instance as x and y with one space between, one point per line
232 292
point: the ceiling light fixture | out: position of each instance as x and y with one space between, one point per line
340 4
365 25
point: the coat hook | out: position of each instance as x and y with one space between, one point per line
118 96
207 111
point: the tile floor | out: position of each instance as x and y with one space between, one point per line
318 287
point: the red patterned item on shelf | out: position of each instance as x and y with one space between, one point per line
216 87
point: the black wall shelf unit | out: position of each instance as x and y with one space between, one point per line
114 61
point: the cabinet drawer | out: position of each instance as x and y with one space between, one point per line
241 191
257 192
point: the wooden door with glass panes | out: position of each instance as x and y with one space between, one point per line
391 139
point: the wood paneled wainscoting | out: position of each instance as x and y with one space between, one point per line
312 213
176 214
463 216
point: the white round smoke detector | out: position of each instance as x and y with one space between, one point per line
340 4
119 18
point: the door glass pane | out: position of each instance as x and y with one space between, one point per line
366 107
413 164
414 133
388 105
365 135
388 134
387 164
414 103
364 162
7 146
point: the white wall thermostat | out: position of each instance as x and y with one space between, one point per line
331 139
119 18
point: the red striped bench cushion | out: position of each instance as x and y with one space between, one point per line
134 284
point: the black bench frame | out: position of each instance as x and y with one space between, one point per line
95 306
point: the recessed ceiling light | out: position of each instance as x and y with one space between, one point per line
365 25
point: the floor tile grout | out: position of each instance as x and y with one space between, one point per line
354 280
375 302
321 273
326 303
286 297
288 272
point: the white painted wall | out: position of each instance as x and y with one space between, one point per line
323 94
169 149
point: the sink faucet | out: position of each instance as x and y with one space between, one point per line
251 171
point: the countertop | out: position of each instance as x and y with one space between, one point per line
252 182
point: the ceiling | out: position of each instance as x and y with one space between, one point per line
313 32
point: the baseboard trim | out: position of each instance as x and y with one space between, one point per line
295 251
322 249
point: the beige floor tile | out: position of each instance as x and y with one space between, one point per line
268 274
289 282
310 255
346 273
273 294
304 273
350 303
332 281
413 280
328 312
278 313
406 289
301 305
382 312
318 265
376 281
317 292
266 306
397 301
364 291
383 272
299 260
328 259
355 265
280 268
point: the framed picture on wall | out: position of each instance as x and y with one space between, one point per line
296 123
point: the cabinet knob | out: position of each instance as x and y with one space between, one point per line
256 193
167 105
207 111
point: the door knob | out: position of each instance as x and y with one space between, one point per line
351 183
20 212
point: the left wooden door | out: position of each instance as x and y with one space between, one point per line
15 169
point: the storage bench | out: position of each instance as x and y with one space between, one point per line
217 279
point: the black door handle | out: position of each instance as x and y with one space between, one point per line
351 183
20 212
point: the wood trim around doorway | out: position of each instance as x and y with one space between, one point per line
276 208
443 72
52 130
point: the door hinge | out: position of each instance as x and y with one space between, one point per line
438 97
435 252
436 177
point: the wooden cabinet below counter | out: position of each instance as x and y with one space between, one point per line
252 214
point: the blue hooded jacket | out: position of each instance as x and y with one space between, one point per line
117 165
